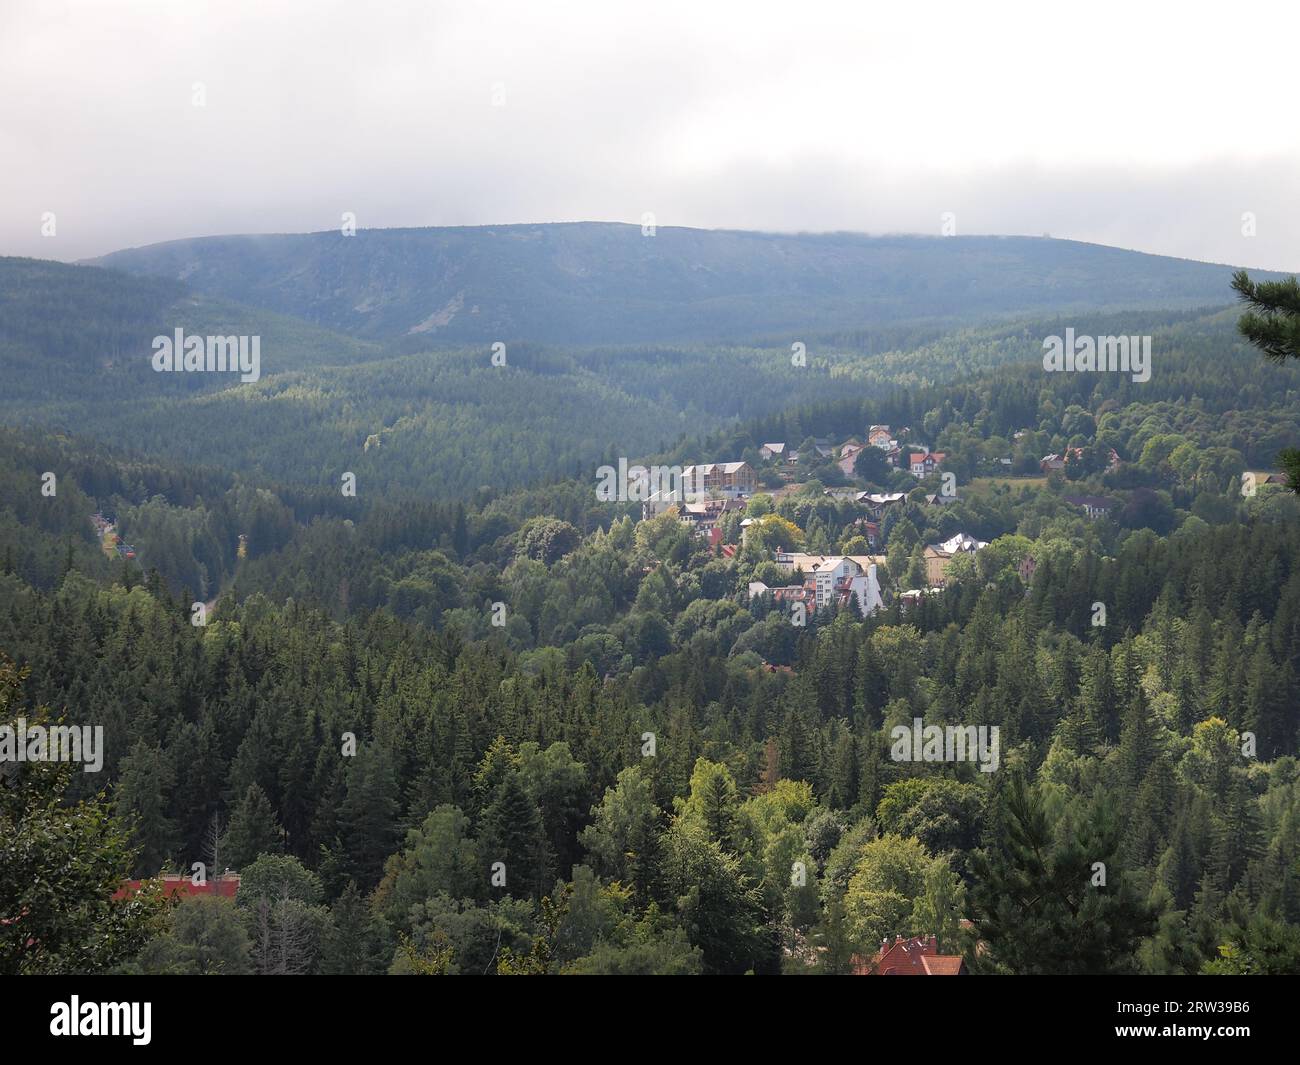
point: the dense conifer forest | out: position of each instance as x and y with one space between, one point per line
474 721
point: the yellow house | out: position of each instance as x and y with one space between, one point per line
936 562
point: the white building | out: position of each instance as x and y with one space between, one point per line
837 577
961 542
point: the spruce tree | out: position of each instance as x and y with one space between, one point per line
142 799
798 758
253 830
832 941
1036 900
351 945
512 833
368 830
843 792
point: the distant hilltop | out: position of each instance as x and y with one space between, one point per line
606 283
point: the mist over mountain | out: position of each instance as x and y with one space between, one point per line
595 282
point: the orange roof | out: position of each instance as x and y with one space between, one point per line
173 884
918 956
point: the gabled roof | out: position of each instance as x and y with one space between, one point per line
918 956
959 542
710 467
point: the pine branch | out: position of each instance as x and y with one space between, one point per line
1274 324
1274 297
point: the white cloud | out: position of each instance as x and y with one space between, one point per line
1149 126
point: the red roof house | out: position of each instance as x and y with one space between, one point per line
177 884
918 956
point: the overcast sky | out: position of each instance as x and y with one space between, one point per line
1151 126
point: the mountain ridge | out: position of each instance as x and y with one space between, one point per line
604 282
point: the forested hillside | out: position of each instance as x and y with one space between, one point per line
605 283
404 574
526 732
451 423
